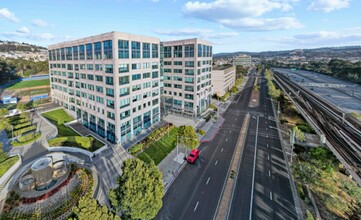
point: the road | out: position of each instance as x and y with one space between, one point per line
264 192
197 190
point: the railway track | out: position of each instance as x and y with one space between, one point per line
342 134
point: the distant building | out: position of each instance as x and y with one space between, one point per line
242 60
186 69
9 100
223 78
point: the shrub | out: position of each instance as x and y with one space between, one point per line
19 121
211 106
136 148
234 89
18 126
201 132
304 127
24 130
86 143
26 139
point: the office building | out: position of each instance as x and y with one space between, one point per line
223 79
242 60
109 82
186 69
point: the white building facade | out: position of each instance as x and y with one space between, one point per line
223 79
109 82
186 69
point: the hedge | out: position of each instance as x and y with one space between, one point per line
23 125
23 130
19 121
201 132
136 148
26 139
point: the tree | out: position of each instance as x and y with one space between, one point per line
299 135
234 89
89 208
140 190
187 137
21 106
114 199
3 112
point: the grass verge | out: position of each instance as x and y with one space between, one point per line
6 162
160 149
26 139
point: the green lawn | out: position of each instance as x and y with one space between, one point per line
160 149
6 162
28 84
58 116
33 92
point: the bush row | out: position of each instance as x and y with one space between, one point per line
23 125
19 121
26 139
23 130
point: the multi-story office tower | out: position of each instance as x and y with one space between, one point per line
187 66
110 82
243 60
223 78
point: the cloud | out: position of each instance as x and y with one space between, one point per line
197 32
243 14
42 36
263 24
328 5
8 15
27 35
39 23
321 38
23 30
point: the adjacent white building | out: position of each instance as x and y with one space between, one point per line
186 70
223 79
109 82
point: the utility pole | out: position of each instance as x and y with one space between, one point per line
292 141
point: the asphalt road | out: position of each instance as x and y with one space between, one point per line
197 190
270 195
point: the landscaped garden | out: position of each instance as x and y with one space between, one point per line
67 136
6 162
21 128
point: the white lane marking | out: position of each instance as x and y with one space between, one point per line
267 136
215 164
233 125
267 145
268 157
266 129
222 149
270 195
269 173
208 180
226 139
254 169
195 208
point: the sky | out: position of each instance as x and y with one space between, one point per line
232 25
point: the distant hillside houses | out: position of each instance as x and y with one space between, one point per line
16 50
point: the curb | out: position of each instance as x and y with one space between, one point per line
169 184
215 133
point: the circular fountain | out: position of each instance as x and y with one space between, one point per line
42 170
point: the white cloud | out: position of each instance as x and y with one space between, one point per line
197 32
243 14
321 38
8 15
263 24
39 23
36 37
43 36
328 5
23 30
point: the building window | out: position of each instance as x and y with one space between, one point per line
90 77
123 92
109 80
146 50
123 68
155 65
108 68
167 63
135 49
109 92
189 80
69 53
99 78
189 72
75 53
81 52
108 49
124 103
136 66
89 51
136 87
125 114
189 50
123 49
90 67
155 74
178 51
110 103
200 50
62 53
167 52
110 115
99 89
178 70
146 75
178 63
188 96
99 67
155 51
136 77
189 88
189 63
98 50
123 80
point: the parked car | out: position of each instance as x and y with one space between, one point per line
193 155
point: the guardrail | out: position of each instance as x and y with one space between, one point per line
71 150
